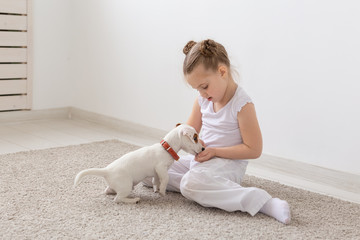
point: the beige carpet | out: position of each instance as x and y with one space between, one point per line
38 202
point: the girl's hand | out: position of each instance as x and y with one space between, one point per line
205 155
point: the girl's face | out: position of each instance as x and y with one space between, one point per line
211 85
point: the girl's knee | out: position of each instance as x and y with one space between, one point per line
193 182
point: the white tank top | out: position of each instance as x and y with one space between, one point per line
221 129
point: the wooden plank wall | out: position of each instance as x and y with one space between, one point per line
15 55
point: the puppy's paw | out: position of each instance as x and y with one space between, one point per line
162 193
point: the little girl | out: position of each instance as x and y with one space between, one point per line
230 131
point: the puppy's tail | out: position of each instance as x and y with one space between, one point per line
91 171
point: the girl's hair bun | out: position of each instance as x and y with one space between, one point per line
188 47
208 48
208 53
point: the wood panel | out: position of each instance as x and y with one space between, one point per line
11 22
13 6
29 52
13 87
12 102
12 71
17 39
13 55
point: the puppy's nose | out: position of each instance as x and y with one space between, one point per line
202 149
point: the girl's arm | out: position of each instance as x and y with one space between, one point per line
252 140
195 117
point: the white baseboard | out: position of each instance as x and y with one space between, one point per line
342 185
32 115
122 125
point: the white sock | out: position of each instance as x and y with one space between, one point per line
278 209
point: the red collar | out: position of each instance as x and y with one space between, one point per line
169 150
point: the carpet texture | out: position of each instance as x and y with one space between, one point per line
39 202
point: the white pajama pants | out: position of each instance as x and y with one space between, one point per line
216 183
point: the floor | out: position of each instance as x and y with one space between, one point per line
41 134
16 136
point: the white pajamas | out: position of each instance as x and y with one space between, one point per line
216 183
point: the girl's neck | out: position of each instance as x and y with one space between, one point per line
229 92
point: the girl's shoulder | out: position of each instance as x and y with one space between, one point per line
240 99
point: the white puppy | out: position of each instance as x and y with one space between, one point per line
153 161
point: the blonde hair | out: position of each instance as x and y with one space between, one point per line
207 52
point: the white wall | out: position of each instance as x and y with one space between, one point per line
298 60
129 61
52 81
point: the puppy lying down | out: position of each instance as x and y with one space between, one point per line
152 161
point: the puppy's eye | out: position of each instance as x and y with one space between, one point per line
195 137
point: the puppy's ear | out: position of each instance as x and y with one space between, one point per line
188 132
178 124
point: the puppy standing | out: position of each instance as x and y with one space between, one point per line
153 161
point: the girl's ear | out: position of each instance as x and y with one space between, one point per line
222 70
